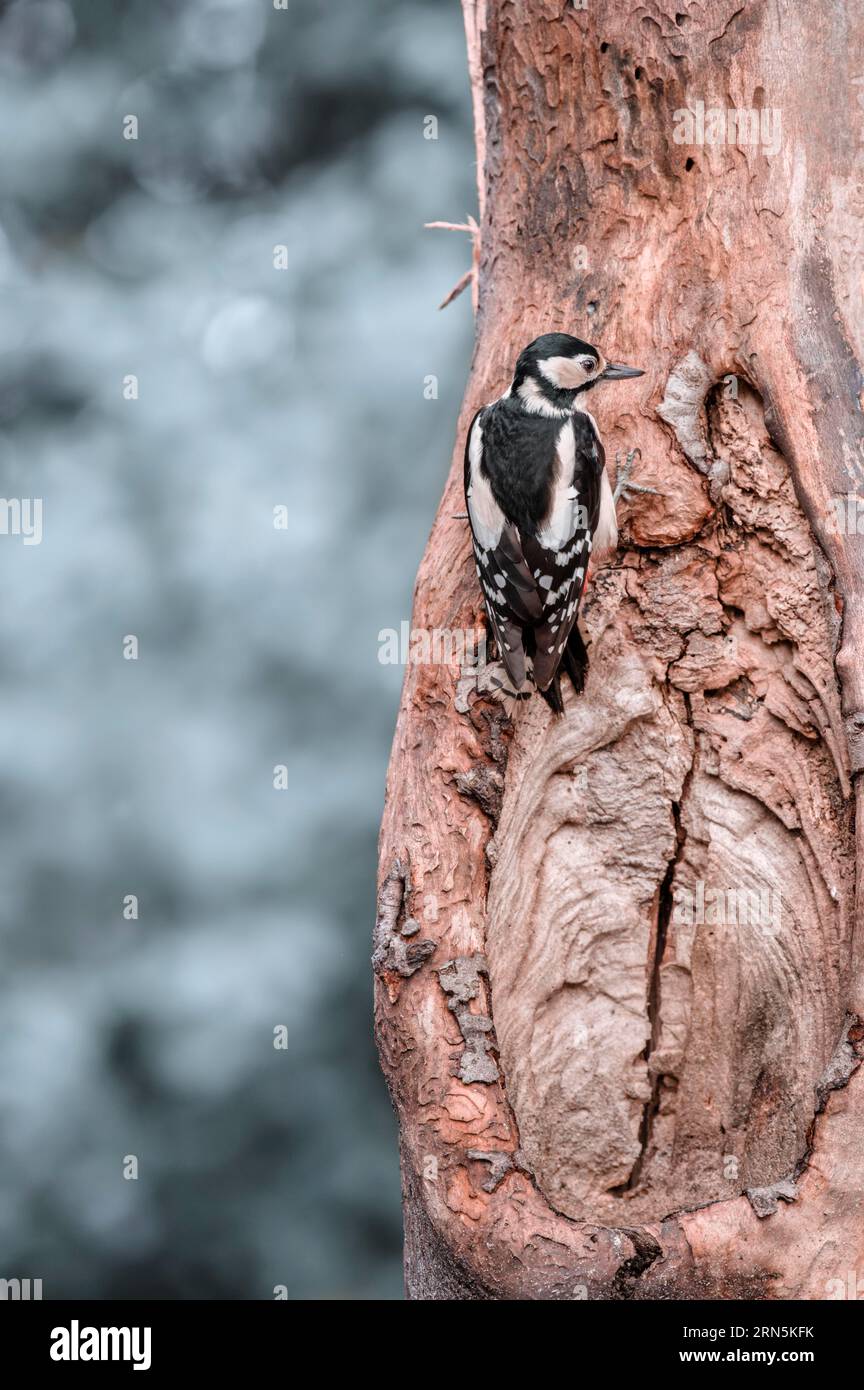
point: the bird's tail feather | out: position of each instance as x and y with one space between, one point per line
512 694
576 659
552 695
575 662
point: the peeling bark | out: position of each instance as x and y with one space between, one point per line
598 1097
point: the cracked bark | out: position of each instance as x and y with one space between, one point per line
663 1108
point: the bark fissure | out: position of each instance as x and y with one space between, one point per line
632 1269
665 904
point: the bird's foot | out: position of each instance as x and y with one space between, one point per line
495 681
492 680
623 483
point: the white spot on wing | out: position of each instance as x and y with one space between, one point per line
606 535
487 519
561 521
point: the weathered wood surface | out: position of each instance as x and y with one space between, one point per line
643 1072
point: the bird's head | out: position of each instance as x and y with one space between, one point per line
556 368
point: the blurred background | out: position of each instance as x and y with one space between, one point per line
232 313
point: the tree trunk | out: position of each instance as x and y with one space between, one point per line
656 896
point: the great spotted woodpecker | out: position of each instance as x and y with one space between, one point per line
540 504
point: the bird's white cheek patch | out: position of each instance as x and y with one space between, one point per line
564 372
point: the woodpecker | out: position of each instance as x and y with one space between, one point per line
540 504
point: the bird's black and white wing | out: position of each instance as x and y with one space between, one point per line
558 552
512 600
533 579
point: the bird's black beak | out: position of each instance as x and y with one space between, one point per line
616 371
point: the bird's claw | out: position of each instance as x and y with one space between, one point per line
489 679
623 485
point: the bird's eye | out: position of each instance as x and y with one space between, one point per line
589 364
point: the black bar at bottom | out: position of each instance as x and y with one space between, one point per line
82 1338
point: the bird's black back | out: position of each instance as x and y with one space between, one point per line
519 460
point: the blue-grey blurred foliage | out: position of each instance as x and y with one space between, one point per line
258 646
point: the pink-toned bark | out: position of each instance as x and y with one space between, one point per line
645 1073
